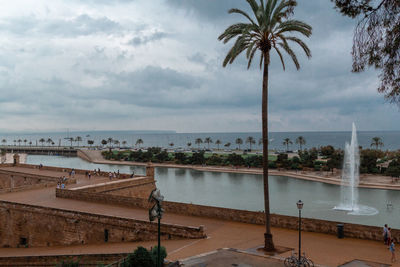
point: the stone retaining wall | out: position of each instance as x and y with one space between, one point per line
290 222
84 260
35 226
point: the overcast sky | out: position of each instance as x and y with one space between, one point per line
157 65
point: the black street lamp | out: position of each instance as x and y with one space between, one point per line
156 212
299 207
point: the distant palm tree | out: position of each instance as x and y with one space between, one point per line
198 142
250 140
260 141
218 142
71 139
268 32
25 142
15 142
116 142
189 145
42 140
239 141
377 142
171 145
49 141
287 142
124 143
208 140
227 145
78 139
4 141
139 142
90 142
104 142
110 141
19 142
301 142
30 143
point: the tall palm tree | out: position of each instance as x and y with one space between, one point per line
218 142
25 142
287 142
90 142
116 143
227 145
4 141
124 143
110 140
377 142
269 31
208 140
301 142
198 142
250 140
104 142
189 144
239 141
19 142
49 141
139 142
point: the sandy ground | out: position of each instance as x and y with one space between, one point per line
323 249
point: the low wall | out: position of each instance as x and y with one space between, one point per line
35 226
290 222
132 187
84 260
11 181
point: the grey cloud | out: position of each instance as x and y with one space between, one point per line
142 40
78 26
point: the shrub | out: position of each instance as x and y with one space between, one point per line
163 254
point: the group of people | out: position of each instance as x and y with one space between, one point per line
389 241
112 175
61 182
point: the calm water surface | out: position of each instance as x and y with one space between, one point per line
245 191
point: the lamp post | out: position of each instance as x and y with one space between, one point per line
156 212
299 207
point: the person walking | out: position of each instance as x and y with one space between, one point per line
389 236
392 250
385 234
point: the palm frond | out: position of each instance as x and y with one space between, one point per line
290 52
280 57
238 11
306 50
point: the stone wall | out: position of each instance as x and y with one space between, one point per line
35 226
11 181
84 260
131 187
290 222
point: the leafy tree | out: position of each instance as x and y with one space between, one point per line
198 142
269 31
239 141
235 159
327 151
376 41
78 139
139 142
393 169
368 161
171 145
250 140
227 145
287 142
198 158
377 142
218 142
154 253
140 257
208 140
301 142
116 142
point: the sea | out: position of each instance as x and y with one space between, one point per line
390 139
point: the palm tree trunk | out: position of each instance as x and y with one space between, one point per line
268 242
